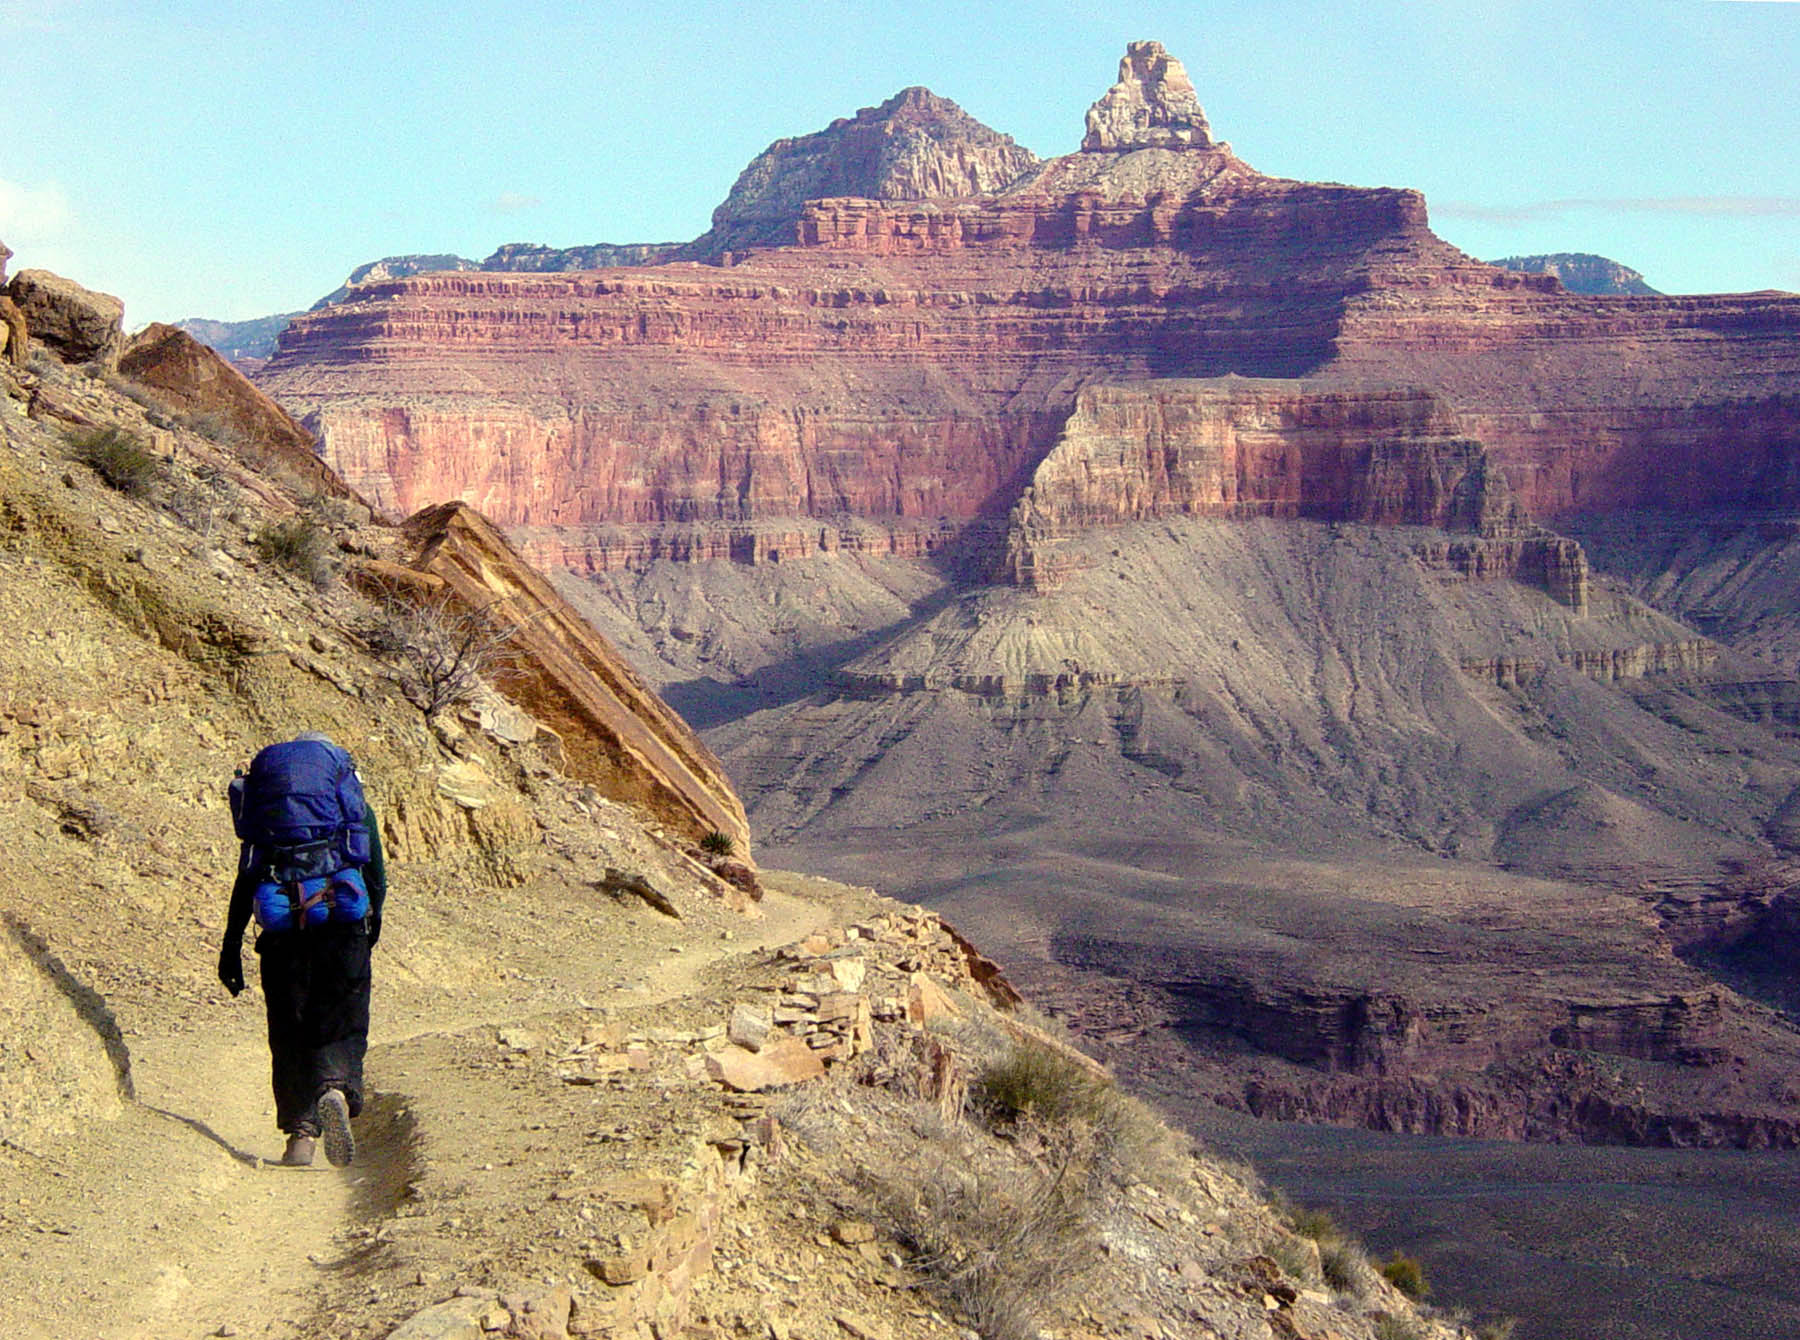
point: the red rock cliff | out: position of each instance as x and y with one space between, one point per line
910 361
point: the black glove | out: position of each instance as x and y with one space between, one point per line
374 931
231 969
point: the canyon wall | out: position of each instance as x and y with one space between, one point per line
903 358
1289 449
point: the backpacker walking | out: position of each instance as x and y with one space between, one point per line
310 872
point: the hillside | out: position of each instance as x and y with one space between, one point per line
610 1088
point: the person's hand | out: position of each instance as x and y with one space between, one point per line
374 931
231 970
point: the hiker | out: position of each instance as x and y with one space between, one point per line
310 871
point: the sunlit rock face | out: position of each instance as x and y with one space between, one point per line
903 308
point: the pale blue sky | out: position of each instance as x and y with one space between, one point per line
230 160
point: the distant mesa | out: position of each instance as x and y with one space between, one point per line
1582 272
1153 106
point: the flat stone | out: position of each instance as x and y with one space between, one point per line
749 1027
468 784
849 971
452 1319
789 1061
926 1001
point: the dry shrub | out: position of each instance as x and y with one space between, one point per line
1405 1274
1398 1328
1315 1224
1295 1261
439 652
120 458
1344 1265
215 427
300 545
1034 1081
1003 1247
1342 1260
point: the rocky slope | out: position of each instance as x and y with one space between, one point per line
609 1091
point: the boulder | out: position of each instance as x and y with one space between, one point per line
76 324
15 340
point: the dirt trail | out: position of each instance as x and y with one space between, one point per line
169 1221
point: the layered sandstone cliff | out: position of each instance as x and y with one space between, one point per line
923 303
1283 449
614 733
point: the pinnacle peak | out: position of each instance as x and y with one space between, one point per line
1152 106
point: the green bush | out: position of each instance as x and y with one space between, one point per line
1405 1274
120 458
299 545
716 843
1034 1081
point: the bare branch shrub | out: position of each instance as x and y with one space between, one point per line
439 652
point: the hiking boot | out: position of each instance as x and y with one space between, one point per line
298 1153
334 1124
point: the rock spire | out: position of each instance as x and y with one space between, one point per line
1153 106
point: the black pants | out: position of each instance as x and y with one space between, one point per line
316 985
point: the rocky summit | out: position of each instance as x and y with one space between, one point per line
1153 106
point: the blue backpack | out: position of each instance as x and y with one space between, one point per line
300 813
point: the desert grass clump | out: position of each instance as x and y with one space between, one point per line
1405 1274
1398 1328
1040 1083
1315 1224
1291 1255
1004 1249
1342 1261
716 843
300 545
1344 1265
121 459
